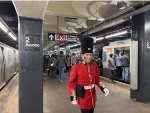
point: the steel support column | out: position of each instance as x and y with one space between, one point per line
30 67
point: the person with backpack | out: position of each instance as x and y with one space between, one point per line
52 67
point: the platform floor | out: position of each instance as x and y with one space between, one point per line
56 99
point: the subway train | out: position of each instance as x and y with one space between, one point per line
8 63
117 47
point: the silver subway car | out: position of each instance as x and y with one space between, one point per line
8 63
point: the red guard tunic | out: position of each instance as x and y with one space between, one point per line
86 75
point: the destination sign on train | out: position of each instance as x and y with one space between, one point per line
62 37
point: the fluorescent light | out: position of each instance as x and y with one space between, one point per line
116 34
3 27
74 45
122 7
94 39
114 23
99 38
12 36
100 19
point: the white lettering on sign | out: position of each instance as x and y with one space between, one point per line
27 43
72 40
148 45
27 40
51 37
33 45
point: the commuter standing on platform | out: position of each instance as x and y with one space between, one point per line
83 78
74 59
61 64
52 67
112 67
125 66
68 59
118 64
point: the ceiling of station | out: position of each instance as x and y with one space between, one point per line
75 17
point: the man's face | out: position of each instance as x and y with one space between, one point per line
87 57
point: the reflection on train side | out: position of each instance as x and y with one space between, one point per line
8 63
121 60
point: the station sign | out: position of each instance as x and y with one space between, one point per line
73 38
62 37
32 43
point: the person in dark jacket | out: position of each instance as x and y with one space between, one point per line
52 66
61 65
46 59
118 64
74 59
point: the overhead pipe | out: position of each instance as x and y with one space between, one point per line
117 18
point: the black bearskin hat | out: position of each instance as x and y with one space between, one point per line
86 45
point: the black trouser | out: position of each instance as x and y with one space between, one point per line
112 74
87 111
52 71
119 72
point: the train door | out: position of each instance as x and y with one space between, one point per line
15 60
1 66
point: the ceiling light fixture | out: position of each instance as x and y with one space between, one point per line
6 30
100 19
99 38
12 36
3 27
122 7
74 45
116 34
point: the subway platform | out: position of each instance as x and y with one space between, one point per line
56 98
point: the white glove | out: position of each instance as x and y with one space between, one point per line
106 92
74 102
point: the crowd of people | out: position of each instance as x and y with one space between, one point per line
58 64
119 63
55 65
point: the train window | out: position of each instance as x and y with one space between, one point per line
10 55
1 56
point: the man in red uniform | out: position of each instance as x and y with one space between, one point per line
83 78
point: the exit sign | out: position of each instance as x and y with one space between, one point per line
61 37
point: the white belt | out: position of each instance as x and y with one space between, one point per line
89 87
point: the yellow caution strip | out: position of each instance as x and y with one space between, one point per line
2 92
